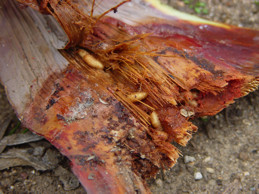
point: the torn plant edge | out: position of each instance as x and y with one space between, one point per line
189 86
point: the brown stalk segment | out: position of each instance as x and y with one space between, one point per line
186 68
123 153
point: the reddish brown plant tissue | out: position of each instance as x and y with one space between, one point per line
132 87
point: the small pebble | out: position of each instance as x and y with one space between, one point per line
188 159
243 156
197 176
219 182
210 170
159 182
24 175
11 187
27 182
13 172
46 183
246 173
247 122
207 159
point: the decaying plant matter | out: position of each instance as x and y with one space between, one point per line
138 72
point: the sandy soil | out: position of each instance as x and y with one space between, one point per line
225 150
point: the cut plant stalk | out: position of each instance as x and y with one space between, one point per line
125 85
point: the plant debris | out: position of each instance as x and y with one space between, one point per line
129 58
19 138
30 157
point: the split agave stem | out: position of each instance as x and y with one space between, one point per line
186 66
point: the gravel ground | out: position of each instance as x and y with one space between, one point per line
243 13
223 154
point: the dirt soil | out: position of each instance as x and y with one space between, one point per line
225 150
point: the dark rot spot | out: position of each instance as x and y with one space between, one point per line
115 10
60 117
205 64
51 102
121 112
58 89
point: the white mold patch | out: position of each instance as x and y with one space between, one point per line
79 110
